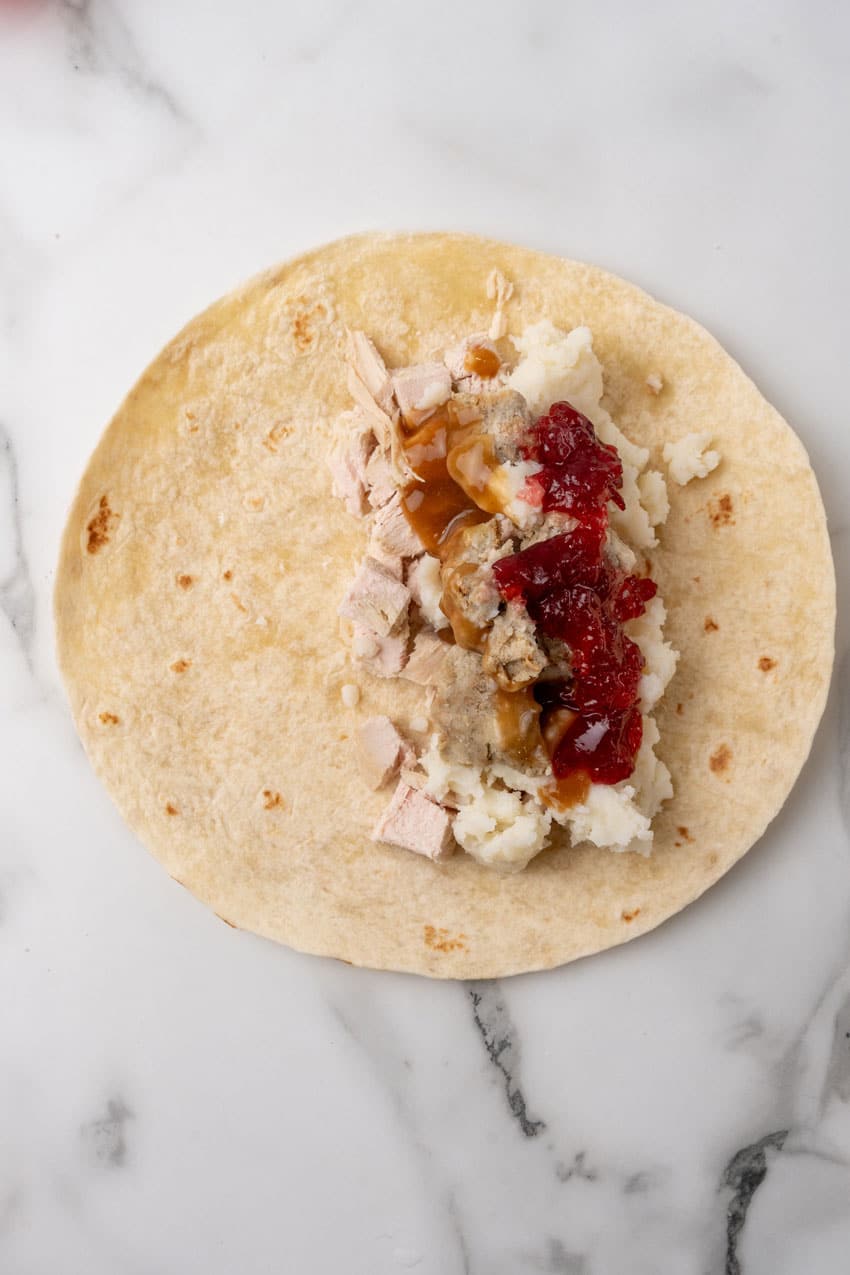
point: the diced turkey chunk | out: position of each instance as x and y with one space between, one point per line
413 777
380 748
371 369
375 599
349 462
380 484
421 390
393 563
512 655
414 822
347 484
392 533
426 659
380 656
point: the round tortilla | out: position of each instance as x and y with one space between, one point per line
204 559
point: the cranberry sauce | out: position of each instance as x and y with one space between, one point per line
573 591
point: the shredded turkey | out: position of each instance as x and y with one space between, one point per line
370 385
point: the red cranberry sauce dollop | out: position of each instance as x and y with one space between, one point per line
580 474
573 591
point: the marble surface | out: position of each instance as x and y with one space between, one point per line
176 1096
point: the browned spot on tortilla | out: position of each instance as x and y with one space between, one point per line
232 924
180 666
712 860
683 832
630 916
237 424
439 940
185 582
100 525
766 664
228 575
190 416
171 810
239 604
275 434
696 579
680 708
305 319
255 502
109 719
710 626
720 759
271 800
720 511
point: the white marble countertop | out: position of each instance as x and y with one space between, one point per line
176 1096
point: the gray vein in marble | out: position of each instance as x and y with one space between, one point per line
104 1139
646 1180
831 1064
377 1057
17 596
502 1044
742 1033
460 1237
578 1169
745 1173
100 40
838 1072
815 1065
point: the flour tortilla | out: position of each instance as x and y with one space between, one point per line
204 559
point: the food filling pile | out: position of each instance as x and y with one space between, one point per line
506 574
